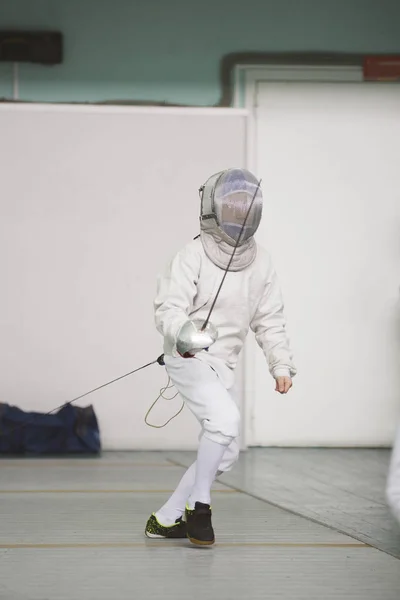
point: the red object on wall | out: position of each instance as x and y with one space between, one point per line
382 68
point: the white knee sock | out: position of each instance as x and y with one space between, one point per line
209 457
175 505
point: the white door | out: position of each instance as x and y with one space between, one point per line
329 156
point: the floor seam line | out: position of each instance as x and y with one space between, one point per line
291 511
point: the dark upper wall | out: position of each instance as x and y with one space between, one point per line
170 50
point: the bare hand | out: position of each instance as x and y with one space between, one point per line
283 384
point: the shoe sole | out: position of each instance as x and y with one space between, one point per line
201 542
154 536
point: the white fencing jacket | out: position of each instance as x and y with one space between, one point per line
250 298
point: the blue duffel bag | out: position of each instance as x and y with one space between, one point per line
72 430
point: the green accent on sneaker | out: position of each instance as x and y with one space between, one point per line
154 529
199 526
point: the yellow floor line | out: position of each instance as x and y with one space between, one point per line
45 491
178 543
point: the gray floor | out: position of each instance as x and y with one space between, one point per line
293 524
343 489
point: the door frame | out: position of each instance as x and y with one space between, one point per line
248 78
246 83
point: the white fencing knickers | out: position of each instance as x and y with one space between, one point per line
209 392
393 481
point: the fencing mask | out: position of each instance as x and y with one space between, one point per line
225 200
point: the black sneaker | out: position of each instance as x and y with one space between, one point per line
154 529
198 525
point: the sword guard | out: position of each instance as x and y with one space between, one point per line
193 337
